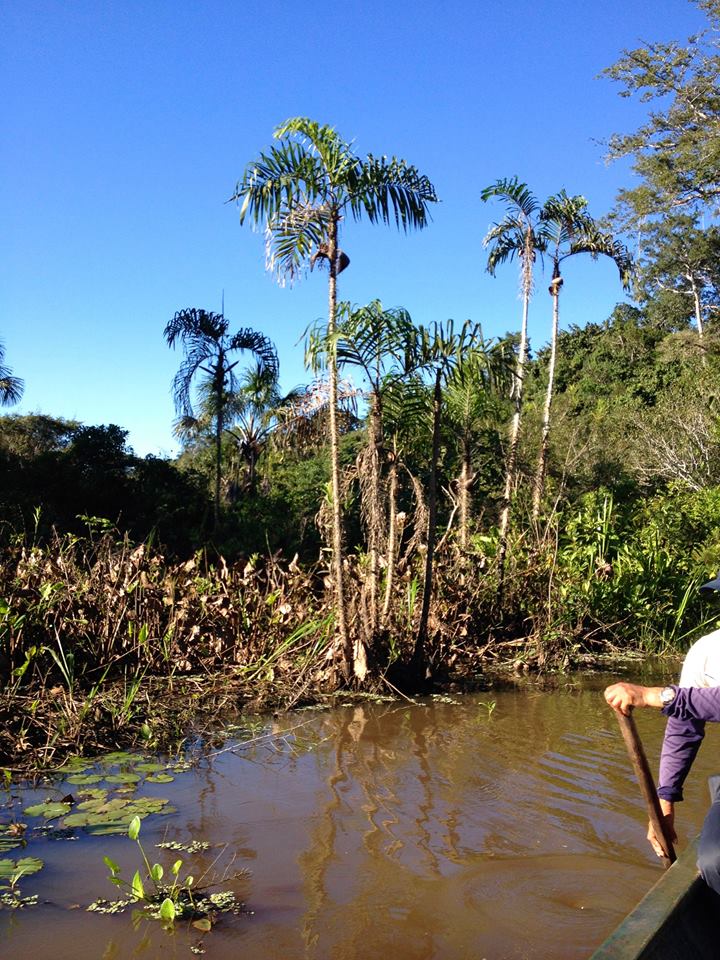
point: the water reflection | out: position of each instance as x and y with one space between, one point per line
440 830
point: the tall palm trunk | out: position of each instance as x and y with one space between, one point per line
337 538
375 512
466 479
540 473
392 535
517 393
218 466
219 376
421 640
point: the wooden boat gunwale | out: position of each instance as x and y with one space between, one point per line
678 909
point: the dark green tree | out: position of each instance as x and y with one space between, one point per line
208 348
676 152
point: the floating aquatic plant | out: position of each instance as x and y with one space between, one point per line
11 872
169 896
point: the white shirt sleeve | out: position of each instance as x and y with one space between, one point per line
701 667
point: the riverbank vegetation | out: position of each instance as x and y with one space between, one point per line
433 503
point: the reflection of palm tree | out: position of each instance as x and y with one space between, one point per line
11 388
317 860
207 347
301 190
517 235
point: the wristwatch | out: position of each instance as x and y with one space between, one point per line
667 695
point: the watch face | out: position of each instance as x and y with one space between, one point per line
667 695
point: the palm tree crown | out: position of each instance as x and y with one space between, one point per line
11 388
300 189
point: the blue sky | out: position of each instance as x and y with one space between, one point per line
127 125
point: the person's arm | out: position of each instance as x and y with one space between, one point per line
688 704
680 745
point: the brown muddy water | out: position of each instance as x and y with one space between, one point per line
445 830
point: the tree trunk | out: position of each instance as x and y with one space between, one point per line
375 512
419 659
346 649
464 493
539 487
392 537
511 464
699 318
219 424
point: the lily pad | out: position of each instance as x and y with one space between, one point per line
50 810
20 868
9 843
120 756
151 767
74 765
84 778
103 805
123 778
108 828
94 793
113 816
159 778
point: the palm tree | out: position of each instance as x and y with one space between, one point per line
475 399
11 388
300 191
568 230
254 415
207 347
374 341
519 234
440 351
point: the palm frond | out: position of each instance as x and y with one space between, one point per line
390 190
514 195
260 346
598 243
374 339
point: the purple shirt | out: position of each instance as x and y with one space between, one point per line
687 715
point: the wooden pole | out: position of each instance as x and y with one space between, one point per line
647 784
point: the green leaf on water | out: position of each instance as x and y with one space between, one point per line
93 793
103 805
123 778
156 873
48 810
120 756
159 778
111 865
107 829
150 767
9 843
84 778
101 817
203 925
20 868
137 885
167 910
74 765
